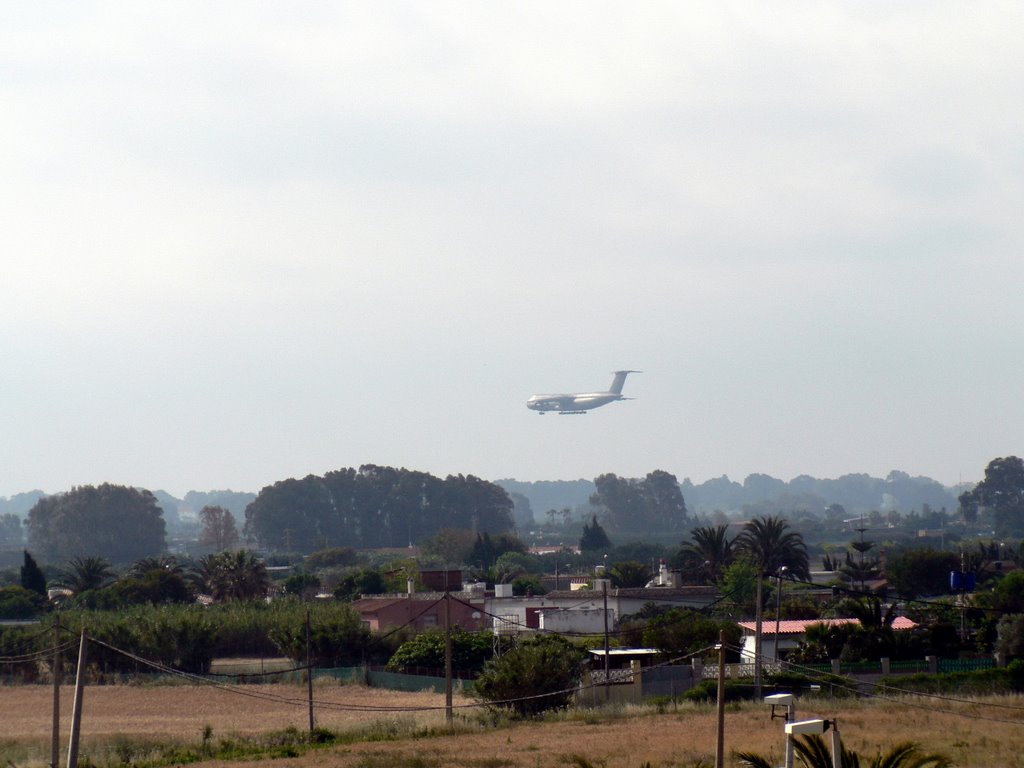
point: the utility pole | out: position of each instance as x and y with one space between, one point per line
58 662
448 713
758 625
778 612
76 712
720 746
607 680
309 670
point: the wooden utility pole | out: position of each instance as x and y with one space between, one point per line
758 621
720 745
76 712
58 662
309 671
448 713
607 676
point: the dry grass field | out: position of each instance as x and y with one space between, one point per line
683 737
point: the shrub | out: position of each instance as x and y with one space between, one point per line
470 651
20 603
537 674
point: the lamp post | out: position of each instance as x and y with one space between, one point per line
778 611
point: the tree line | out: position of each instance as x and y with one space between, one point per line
373 507
369 507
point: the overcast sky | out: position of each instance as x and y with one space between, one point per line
245 241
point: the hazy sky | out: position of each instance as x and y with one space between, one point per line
246 241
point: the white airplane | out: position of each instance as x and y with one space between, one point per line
580 402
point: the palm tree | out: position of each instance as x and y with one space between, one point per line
770 545
821 643
166 563
235 575
813 753
85 573
629 573
710 551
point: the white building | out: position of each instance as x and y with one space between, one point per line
583 610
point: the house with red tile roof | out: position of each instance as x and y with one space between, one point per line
419 612
791 633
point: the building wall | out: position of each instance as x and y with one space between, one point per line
580 620
419 614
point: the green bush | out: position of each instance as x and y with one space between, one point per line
337 636
470 651
19 603
1009 679
537 674
707 690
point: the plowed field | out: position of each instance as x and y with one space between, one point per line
971 734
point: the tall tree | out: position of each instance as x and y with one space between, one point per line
917 572
373 507
594 537
32 577
219 530
116 522
666 508
10 530
654 503
1000 494
770 544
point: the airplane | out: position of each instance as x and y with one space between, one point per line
579 402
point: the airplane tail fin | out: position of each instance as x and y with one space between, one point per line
618 381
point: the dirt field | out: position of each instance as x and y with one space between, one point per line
676 739
183 711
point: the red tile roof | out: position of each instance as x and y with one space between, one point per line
799 626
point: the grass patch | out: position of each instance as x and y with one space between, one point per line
398 761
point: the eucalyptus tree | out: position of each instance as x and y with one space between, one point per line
119 523
219 529
770 544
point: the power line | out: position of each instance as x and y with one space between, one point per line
36 655
853 686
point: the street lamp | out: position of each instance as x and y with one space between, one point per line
778 610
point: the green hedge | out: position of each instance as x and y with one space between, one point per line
189 637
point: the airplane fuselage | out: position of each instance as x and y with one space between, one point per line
579 402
